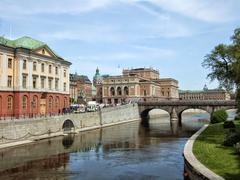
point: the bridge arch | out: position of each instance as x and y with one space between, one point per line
180 114
68 126
156 112
145 116
232 112
176 107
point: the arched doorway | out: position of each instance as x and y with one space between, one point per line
43 103
34 104
68 126
126 91
112 91
119 91
0 106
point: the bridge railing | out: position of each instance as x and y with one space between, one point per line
189 103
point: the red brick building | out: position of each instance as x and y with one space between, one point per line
80 88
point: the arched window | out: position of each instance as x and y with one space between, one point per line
57 102
119 91
50 103
126 92
145 92
34 102
65 102
112 91
24 102
10 103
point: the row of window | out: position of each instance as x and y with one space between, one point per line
119 91
35 67
33 103
34 83
122 80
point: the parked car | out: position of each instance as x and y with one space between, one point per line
80 109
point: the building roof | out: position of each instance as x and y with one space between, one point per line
140 69
24 42
82 78
28 43
202 91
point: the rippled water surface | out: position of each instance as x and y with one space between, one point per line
127 151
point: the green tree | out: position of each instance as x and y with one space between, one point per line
224 64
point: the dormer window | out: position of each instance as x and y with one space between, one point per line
43 51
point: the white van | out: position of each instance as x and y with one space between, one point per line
92 106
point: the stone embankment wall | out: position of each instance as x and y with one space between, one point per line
193 168
47 149
38 128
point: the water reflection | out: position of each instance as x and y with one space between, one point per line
128 151
68 140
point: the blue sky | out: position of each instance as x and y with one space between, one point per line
170 35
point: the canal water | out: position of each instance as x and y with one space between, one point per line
127 151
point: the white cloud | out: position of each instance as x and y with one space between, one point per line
9 8
205 10
87 33
134 54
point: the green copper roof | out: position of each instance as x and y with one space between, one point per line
29 43
6 42
24 42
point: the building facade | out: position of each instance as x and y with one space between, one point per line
80 88
134 85
34 79
206 94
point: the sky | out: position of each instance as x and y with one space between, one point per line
172 36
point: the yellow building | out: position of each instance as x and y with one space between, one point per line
206 94
33 78
134 85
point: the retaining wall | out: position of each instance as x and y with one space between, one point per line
194 168
33 129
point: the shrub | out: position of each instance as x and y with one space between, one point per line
219 116
229 124
237 118
232 139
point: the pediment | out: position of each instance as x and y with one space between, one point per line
45 51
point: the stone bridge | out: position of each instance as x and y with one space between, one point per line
175 108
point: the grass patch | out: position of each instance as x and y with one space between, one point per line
209 150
